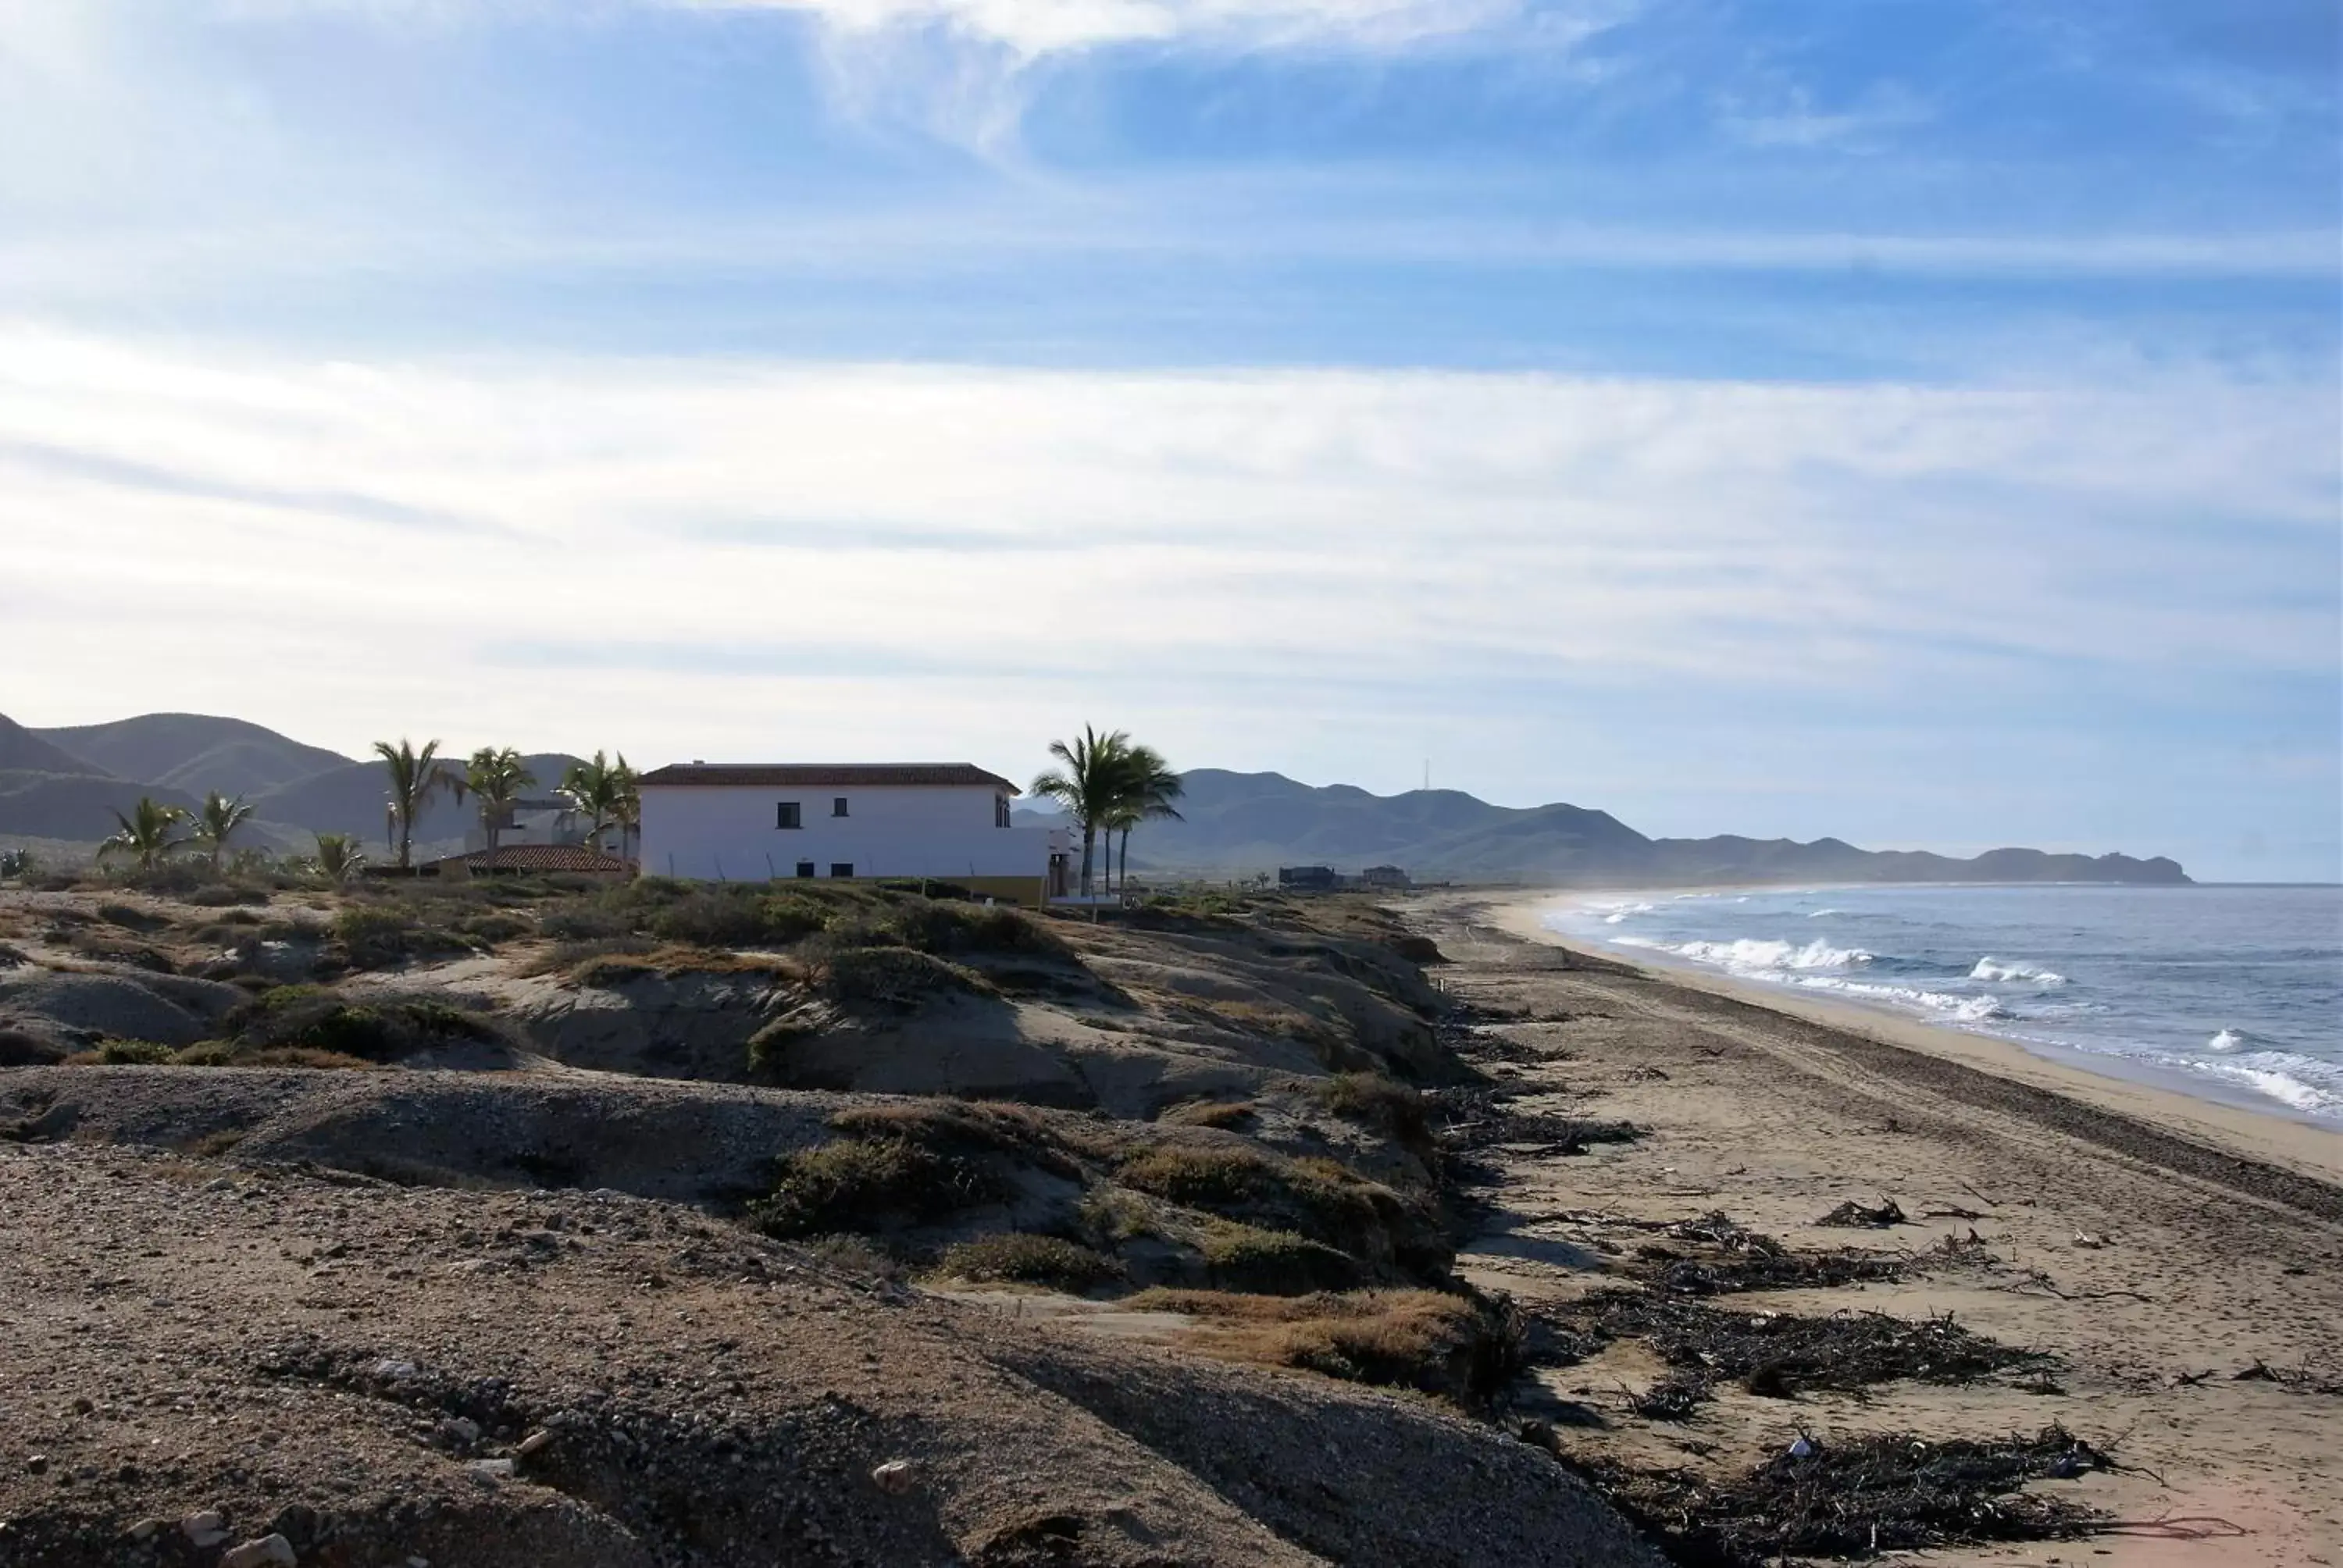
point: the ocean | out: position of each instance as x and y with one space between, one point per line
2229 993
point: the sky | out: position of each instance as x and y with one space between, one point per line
1912 420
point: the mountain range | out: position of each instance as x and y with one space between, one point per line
67 783
1248 822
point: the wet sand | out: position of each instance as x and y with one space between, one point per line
2138 1235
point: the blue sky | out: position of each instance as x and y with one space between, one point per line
1915 420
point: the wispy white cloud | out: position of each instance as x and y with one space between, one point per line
1355 528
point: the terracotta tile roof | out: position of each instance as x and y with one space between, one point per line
540 858
812 775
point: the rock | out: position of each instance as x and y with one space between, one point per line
896 1477
532 1443
268 1551
204 1530
462 1429
491 1470
36 1463
145 1529
395 1370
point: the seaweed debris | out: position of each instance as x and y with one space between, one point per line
1732 1258
1778 1354
1852 1215
1889 1492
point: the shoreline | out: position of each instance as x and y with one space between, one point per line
2174 1263
2275 1133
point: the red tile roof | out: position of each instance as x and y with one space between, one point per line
809 775
541 858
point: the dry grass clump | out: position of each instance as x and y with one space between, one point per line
1209 1113
123 1053
1430 1340
226 1054
1321 1198
854 1184
1239 1257
1019 1259
618 968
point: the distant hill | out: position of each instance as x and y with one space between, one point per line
67 783
1253 822
195 752
24 751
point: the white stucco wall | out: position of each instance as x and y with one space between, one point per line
727 833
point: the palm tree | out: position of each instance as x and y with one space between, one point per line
1149 788
415 778
605 791
338 857
146 833
217 821
1091 786
497 775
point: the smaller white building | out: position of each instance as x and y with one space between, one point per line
859 821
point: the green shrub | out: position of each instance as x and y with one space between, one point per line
207 1053
1274 1262
221 895
132 1053
1204 1178
375 935
585 923
960 1127
1026 1260
937 928
494 926
315 1019
891 977
854 1185
130 917
1382 1103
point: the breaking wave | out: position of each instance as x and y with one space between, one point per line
1994 969
2229 1039
1749 955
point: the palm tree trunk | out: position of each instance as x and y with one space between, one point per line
1126 862
1090 836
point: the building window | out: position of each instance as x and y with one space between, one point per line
804 867
1000 811
838 807
786 814
841 868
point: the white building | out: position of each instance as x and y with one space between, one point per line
860 821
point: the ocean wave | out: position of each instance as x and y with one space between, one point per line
2229 1039
1936 1003
1818 914
1994 969
2298 1081
1750 955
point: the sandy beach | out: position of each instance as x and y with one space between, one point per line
2155 1246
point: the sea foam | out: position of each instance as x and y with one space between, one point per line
1994 969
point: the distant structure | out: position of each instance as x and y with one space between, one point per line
1307 879
855 821
548 822
524 860
1383 878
